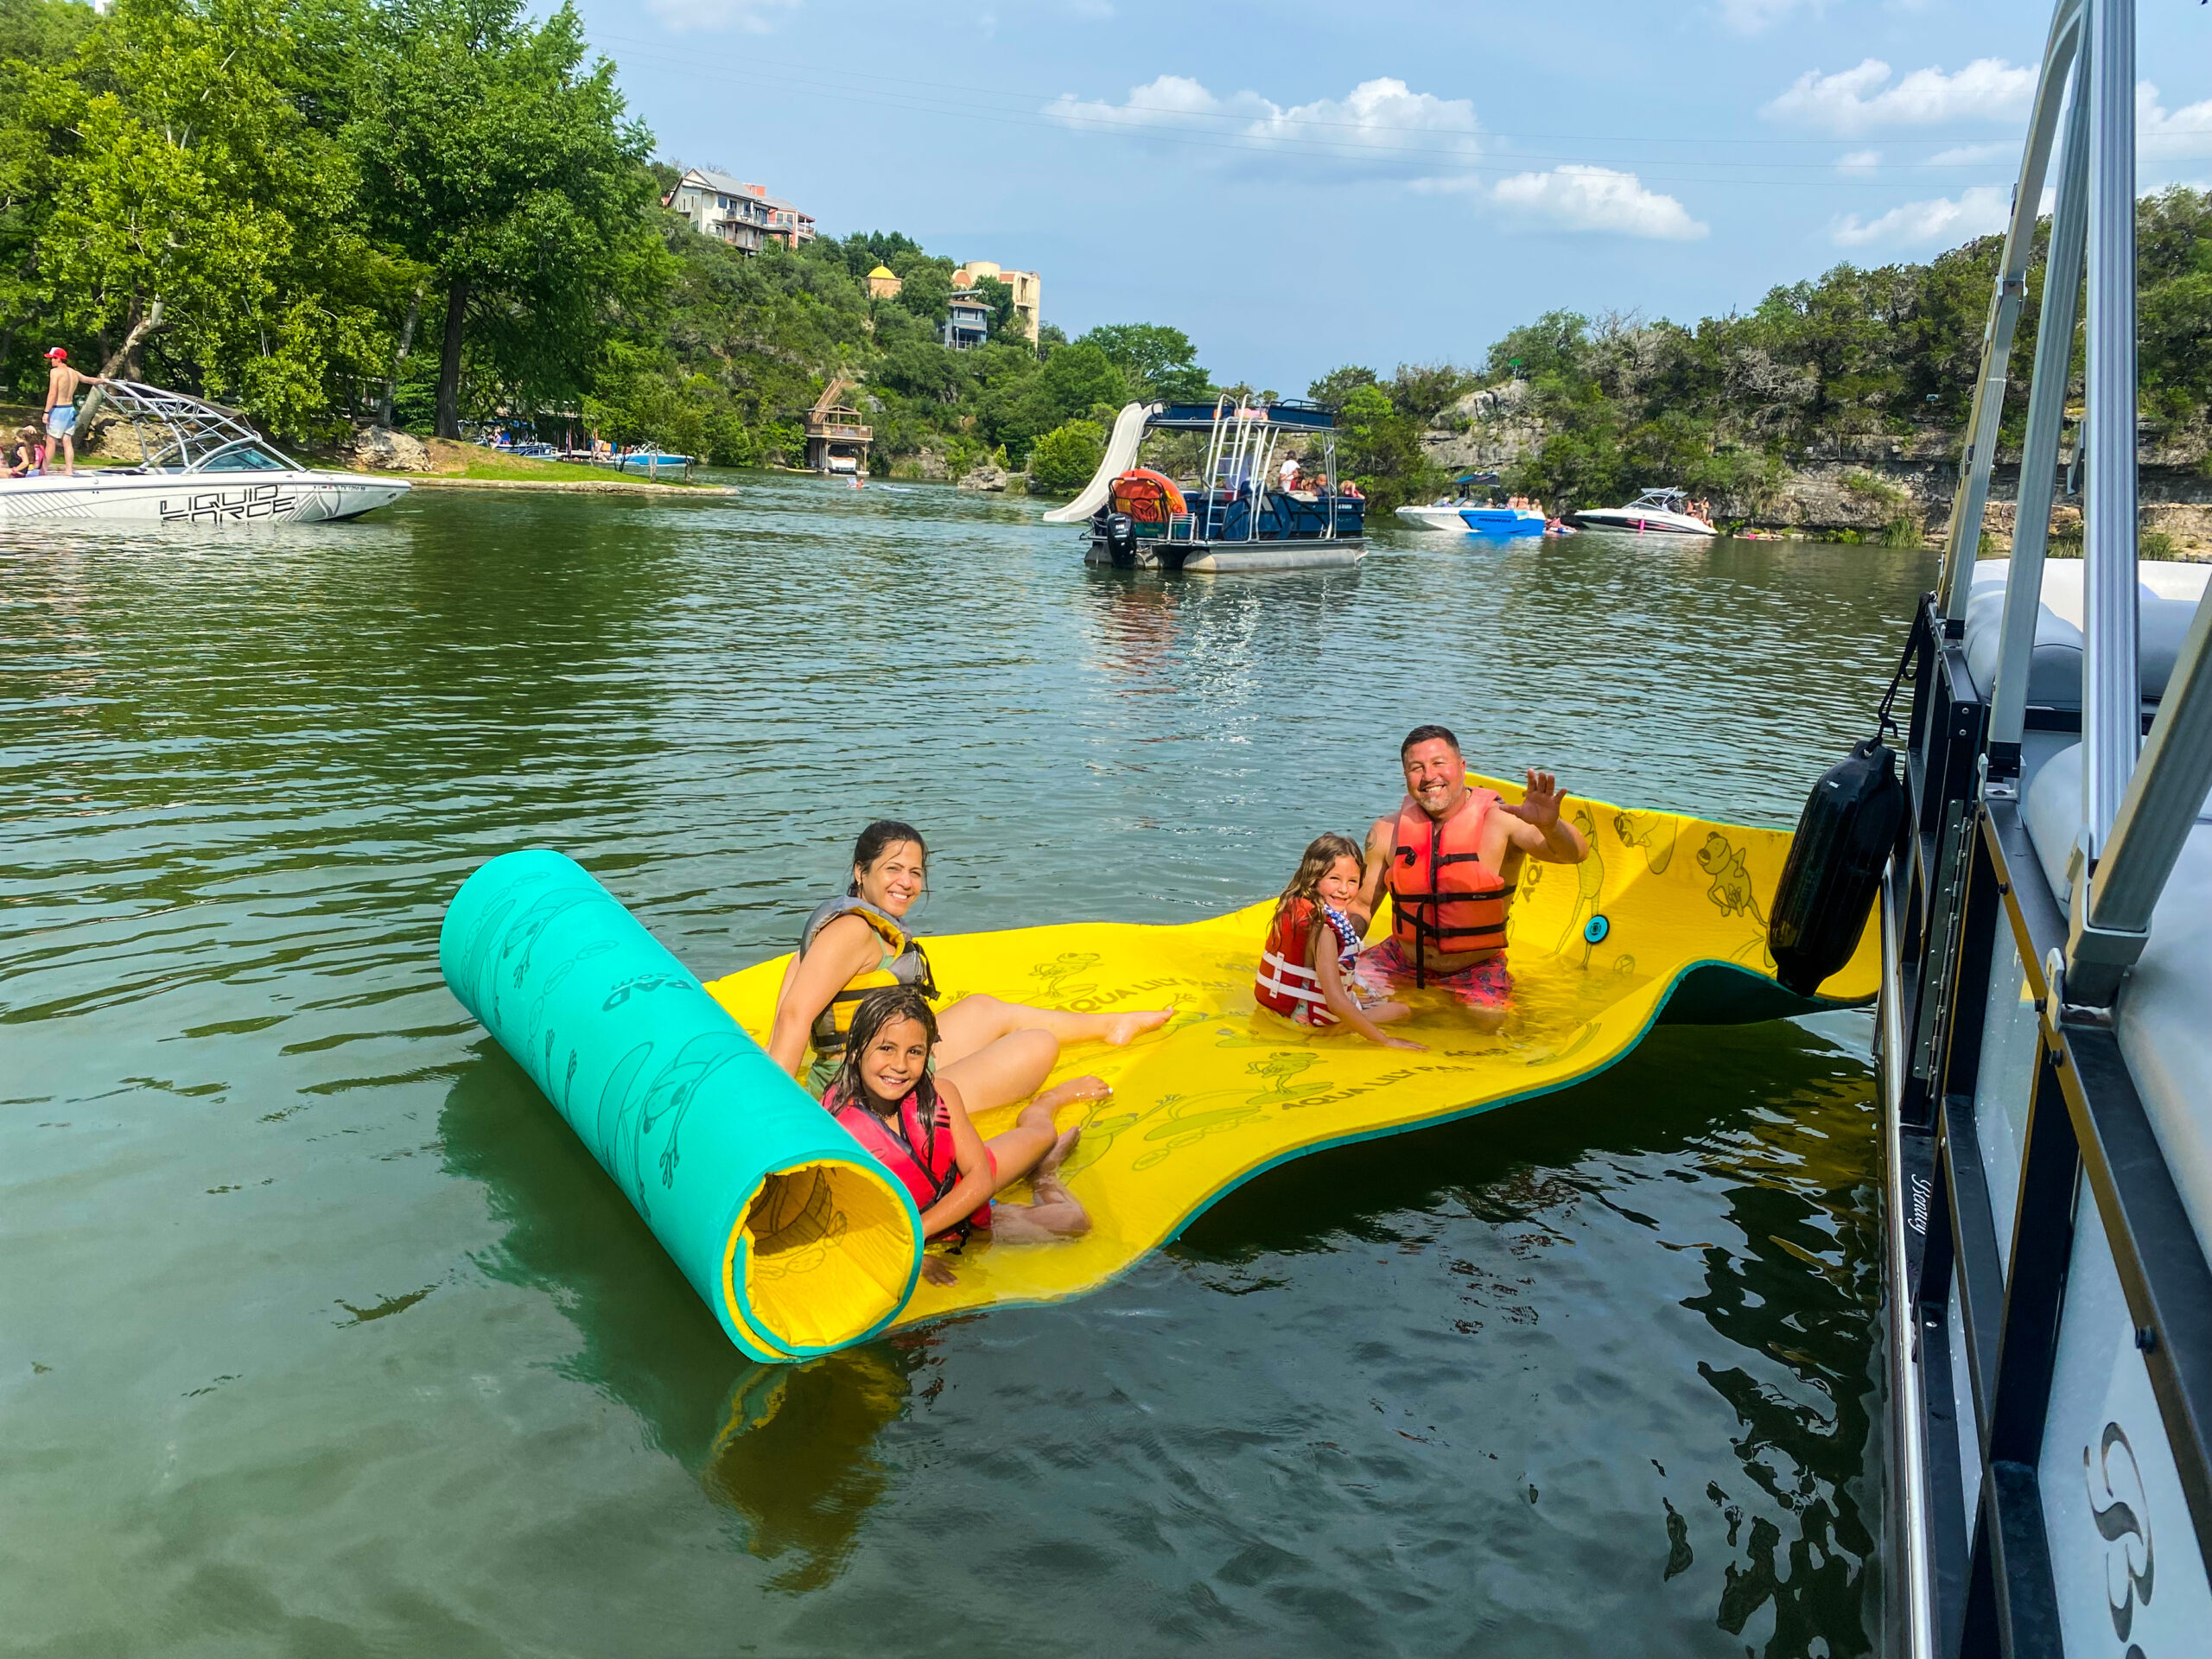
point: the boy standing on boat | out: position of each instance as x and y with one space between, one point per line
62 386
1450 857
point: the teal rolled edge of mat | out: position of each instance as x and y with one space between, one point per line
684 1111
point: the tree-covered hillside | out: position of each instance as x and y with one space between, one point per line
435 211
1724 408
326 212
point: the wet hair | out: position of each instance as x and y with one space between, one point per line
1426 735
886 1005
1320 858
883 833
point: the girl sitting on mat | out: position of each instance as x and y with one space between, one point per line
1308 967
918 1127
997 1052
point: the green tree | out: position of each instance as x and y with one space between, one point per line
507 167
1551 345
999 297
190 190
1157 362
1380 446
1064 460
1332 388
927 290
1075 379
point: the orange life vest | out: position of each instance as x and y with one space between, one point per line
1444 900
1287 983
1147 497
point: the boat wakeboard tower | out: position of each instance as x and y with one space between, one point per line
199 464
2045 927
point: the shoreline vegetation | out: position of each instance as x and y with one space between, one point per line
410 215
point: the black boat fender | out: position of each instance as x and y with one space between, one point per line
1851 822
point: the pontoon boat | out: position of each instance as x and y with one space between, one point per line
1234 519
2045 1027
203 465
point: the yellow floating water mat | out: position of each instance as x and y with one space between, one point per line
1666 906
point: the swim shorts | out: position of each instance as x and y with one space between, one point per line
1486 985
61 419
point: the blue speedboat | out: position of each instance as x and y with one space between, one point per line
1475 517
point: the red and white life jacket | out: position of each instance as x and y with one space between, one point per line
1444 900
919 1152
1287 983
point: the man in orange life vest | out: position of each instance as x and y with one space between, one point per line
1449 856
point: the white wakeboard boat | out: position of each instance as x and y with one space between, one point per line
203 465
1656 510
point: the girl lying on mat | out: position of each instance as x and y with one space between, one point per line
1308 969
916 1125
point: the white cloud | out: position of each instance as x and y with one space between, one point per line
1580 198
746 14
1859 100
1380 125
1859 161
2184 135
1977 212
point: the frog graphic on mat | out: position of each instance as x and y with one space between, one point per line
1654 832
1189 1121
1278 1072
1730 892
1590 881
1052 976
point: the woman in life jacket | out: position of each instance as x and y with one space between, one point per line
1308 967
998 1051
917 1125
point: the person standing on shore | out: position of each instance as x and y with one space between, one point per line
62 386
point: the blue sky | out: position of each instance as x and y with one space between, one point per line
1300 185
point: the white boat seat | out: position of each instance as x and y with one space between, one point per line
2166 601
2164 1032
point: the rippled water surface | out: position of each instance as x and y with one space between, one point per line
320 1334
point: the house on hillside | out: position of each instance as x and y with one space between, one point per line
720 205
1029 290
969 324
744 215
883 284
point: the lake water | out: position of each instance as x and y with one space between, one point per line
320 1334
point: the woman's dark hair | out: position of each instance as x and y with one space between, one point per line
1428 733
886 1005
884 832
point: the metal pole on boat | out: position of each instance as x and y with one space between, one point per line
2110 687
1987 410
2109 920
2053 367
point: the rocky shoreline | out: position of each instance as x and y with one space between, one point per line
1896 489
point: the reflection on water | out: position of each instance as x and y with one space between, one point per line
322 1334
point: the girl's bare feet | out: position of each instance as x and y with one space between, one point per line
1122 1027
1075 1088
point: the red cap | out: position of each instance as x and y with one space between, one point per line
56 351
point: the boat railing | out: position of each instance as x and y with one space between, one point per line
2009 959
1241 444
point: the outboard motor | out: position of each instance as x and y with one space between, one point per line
1121 538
